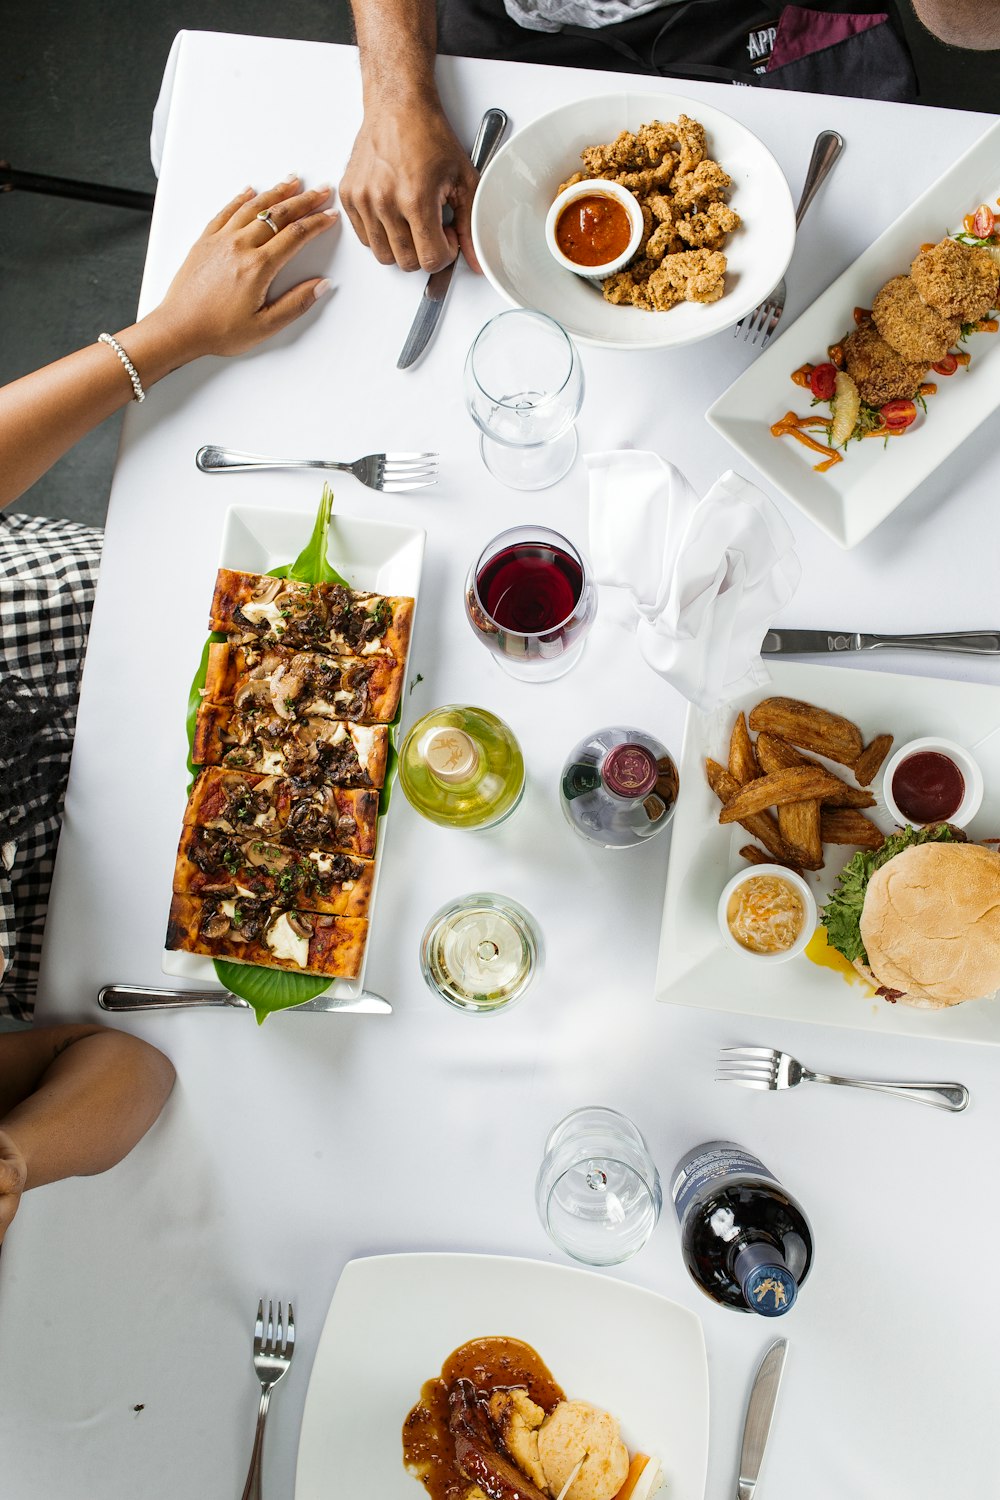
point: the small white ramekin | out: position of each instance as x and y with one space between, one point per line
604 188
971 775
808 907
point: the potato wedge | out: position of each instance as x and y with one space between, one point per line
794 784
813 728
846 826
755 856
869 762
743 765
798 824
775 755
762 826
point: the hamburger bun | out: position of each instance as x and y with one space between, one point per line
931 924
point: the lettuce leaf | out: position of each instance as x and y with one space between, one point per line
842 914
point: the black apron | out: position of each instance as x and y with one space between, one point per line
727 41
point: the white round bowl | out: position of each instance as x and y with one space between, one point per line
586 189
971 775
517 189
808 904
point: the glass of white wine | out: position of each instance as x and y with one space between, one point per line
480 952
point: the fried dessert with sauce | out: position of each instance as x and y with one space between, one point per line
496 1426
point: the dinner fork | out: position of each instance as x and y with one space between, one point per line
271 1357
763 1068
390 472
767 314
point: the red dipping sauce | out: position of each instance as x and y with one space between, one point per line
593 230
928 787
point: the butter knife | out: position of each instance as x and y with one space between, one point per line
760 1411
822 642
119 997
491 129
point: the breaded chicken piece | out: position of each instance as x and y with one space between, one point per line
570 182
914 330
517 1419
573 1428
879 373
697 275
960 281
661 207
708 230
705 184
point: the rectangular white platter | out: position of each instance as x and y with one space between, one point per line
372 555
695 966
394 1319
852 498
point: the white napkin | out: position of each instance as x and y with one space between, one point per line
707 577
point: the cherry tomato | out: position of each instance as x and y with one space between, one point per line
823 381
946 366
898 414
983 221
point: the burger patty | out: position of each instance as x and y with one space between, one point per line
959 281
879 373
917 332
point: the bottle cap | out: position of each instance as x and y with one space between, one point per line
629 771
769 1289
450 754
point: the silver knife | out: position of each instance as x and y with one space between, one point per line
760 1411
491 129
120 997
822 642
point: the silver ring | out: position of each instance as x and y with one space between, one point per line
265 214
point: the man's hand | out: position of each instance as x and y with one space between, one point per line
13 1174
405 167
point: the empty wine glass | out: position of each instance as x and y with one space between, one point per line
598 1192
531 599
524 389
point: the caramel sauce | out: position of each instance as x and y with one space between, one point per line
593 230
490 1363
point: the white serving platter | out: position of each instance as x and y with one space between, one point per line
852 498
375 555
519 185
695 966
394 1319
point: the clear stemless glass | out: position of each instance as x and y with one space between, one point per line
524 389
531 599
480 953
598 1192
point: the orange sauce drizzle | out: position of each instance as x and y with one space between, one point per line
836 353
928 388
792 425
862 315
801 375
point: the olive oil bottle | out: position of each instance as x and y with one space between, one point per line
462 767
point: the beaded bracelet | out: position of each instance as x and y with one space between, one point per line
130 369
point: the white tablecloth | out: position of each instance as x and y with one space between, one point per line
126 1301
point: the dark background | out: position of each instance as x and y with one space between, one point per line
78 86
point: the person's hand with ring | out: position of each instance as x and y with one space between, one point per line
218 301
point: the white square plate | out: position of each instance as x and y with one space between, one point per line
394 1319
695 966
370 555
852 498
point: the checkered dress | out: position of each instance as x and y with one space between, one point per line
48 573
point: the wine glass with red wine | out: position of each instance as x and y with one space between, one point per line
524 389
531 599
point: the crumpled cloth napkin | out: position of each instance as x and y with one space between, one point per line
707 577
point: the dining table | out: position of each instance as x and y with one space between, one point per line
288 1149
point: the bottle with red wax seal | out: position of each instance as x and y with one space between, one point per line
619 787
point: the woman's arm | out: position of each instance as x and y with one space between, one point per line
74 1100
407 162
216 304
